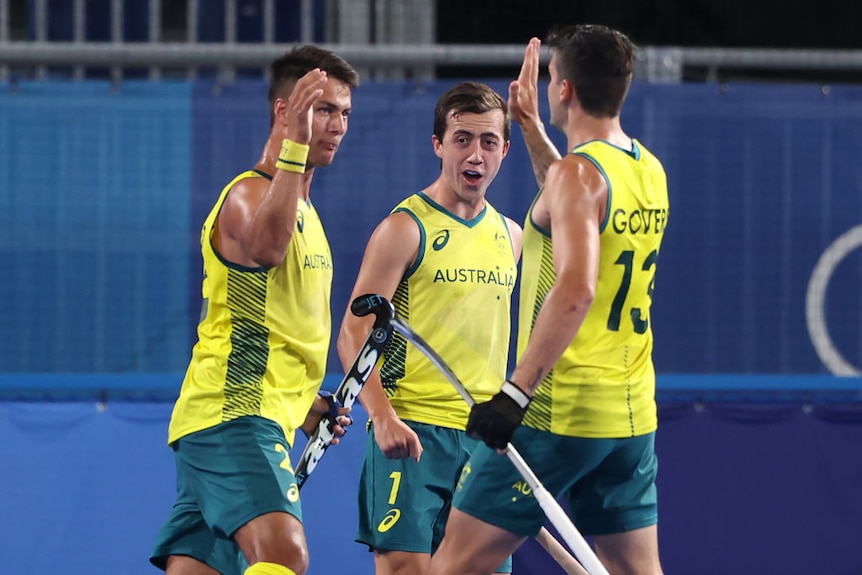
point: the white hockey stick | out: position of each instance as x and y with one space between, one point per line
553 510
349 388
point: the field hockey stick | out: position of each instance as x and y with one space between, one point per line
347 391
559 553
553 510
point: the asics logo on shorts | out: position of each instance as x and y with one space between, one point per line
391 518
293 493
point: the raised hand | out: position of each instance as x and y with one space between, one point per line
524 92
300 106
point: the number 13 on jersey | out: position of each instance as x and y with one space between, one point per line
626 259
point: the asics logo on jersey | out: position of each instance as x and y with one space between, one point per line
441 240
300 221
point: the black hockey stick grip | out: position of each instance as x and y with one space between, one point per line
348 390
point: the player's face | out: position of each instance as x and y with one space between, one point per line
554 88
472 151
329 123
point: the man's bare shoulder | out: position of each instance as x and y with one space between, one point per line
574 173
242 199
247 190
576 187
231 222
398 226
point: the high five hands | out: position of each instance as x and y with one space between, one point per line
524 92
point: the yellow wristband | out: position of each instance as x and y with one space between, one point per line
292 157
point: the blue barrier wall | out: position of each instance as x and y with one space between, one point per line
747 488
94 220
102 194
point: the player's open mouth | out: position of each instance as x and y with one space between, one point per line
471 176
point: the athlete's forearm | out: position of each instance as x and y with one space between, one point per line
556 325
372 397
541 149
272 224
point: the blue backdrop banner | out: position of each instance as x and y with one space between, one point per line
94 219
103 192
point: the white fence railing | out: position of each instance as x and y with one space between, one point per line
657 64
391 38
167 33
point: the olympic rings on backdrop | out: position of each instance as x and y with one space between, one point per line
815 316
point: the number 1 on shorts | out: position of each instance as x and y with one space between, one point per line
396 483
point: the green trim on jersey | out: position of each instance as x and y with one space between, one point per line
418 261
469 223
603 385
457 296
264 333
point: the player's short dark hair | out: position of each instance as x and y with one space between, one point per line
599 62
470 98
290 67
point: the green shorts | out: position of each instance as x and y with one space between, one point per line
609 484
403 505
226 476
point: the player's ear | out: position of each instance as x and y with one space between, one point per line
438 146
567 91
279 111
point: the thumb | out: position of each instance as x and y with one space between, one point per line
514 90
415 449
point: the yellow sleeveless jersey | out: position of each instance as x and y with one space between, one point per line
456 296
604 383
264 333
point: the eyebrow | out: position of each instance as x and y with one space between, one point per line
482 135
331 104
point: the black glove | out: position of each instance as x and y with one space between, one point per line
495 420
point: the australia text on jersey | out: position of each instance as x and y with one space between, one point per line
469 275
316 262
